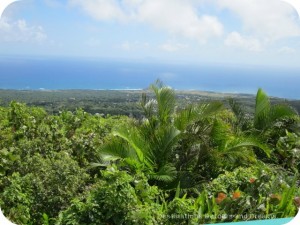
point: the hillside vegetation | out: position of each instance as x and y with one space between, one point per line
119 102
178 162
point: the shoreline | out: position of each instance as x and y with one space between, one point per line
138 90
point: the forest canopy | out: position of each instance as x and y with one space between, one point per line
176 163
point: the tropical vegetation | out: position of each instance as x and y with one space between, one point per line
204 162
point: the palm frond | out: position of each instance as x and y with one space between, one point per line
115 149
148 106
262 110
162 107
97 165
164 140
236 108
266 114
281 111
166 100
246 142
241 118
220 134
235 157
167 173
132 136
194 113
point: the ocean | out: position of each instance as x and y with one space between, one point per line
70 73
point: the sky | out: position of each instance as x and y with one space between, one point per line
252 32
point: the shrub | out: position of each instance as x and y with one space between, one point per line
265 191
43 185
118 198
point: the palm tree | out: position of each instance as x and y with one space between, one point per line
268 123
208 145
148 146
265 115
176 147
152 145
235 149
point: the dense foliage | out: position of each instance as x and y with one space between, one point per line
118 102
178 164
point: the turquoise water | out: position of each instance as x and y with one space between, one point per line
262 222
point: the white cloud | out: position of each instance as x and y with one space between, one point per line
287 50
135 45
20 31
101 9
260 25
174 16
236 40
172 47
269 20
179 17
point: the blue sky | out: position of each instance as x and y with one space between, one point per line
264 32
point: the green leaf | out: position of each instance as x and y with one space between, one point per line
262 109
194 113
